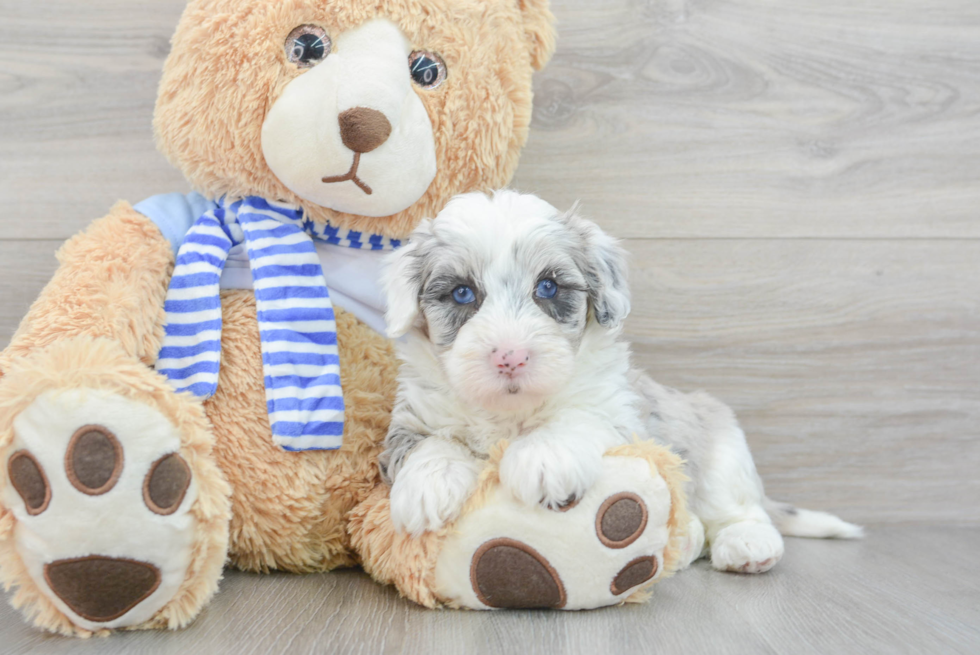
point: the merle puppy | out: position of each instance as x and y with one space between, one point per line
511 313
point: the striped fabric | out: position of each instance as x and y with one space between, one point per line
296 321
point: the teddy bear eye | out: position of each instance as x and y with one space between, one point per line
307 45
427 68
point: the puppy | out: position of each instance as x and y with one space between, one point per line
511 314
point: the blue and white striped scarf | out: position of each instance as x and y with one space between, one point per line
298 332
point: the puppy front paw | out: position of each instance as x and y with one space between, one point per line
554 475
432 487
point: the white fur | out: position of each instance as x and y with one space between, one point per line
432 486
746 547
556 447
578 397
808 523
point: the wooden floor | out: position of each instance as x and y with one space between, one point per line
903 590
799 184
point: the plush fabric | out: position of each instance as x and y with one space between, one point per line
100 364
365 75
301 366
111 282
288 511
442 568
351 274
480 116
98 325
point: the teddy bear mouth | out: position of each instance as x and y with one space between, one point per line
351 176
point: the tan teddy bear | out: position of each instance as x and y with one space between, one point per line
317 134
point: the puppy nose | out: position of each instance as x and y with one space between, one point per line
510 361
363 129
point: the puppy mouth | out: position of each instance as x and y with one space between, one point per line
351 176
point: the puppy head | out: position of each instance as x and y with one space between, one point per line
504 287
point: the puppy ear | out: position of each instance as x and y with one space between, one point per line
402 281
606 269
539 30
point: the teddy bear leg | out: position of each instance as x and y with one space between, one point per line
693 544
113 513
628 531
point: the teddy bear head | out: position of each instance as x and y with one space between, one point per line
370 115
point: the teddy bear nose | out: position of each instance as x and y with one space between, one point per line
363 129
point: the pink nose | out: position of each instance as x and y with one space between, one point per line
510 361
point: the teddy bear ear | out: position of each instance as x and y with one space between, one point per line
539 29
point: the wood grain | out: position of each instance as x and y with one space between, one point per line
797 183
25 267
752 119
854 366
888 594
682 119
77 86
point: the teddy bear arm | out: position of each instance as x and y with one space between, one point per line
111 282
109 472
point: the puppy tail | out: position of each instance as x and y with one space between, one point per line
797 522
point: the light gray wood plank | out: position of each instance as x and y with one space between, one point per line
854 366
25 267
676 118
883 595
747 118
77 86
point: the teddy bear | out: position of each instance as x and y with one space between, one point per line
205 378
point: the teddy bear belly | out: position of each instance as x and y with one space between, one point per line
289 509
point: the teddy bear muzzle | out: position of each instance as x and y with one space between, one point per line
351 133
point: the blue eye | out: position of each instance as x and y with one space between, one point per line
546 289
463 295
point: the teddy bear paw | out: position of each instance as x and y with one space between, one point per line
594 552
101 495
693 543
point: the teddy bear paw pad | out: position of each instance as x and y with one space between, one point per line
621 520
28 480
101 588
593 553
635 573
508 573
101 496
